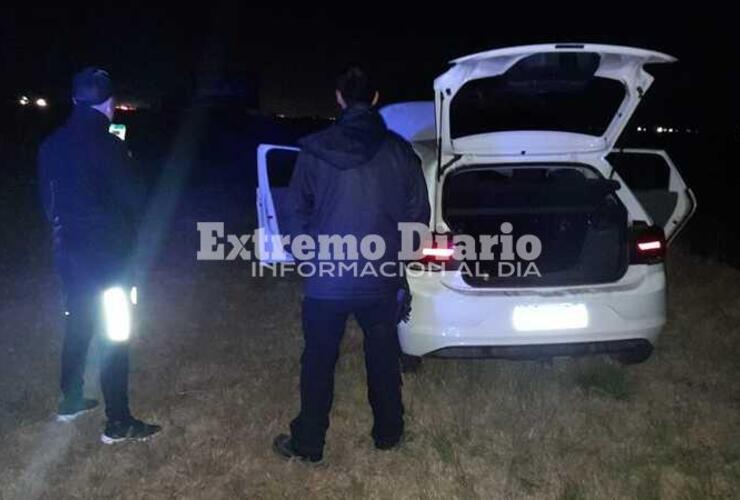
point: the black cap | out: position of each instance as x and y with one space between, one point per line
92 86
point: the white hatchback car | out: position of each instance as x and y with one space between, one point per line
525 136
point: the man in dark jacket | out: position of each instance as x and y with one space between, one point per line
355 178
90 198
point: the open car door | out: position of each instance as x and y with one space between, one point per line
657 184
275 165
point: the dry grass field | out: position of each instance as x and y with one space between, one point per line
216 362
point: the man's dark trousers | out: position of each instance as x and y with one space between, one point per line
84 319
323 327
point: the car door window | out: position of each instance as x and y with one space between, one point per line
280 166
658 186
275 166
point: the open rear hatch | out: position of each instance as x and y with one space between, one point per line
539 105
541 99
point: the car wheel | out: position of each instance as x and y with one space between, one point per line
410 364
635 355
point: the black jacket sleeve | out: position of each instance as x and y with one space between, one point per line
417 203
126 189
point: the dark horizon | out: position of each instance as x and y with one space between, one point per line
295 54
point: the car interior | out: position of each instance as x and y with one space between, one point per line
580 221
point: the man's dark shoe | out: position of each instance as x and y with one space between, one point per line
389 444
128 430
70 409
283 446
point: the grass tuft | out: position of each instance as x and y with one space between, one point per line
605 380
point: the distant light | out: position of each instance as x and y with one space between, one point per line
41 102
134 295
660 130
23 101
125 107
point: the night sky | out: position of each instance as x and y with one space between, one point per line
296 53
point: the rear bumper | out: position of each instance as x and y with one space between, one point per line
542 351
469 323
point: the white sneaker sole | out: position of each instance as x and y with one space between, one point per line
110 441
72 416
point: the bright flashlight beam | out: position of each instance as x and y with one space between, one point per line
117 314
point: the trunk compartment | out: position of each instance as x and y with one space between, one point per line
572 209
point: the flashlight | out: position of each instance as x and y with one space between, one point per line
117 314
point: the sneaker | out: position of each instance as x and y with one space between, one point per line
389 444
70 409
129 430
283 446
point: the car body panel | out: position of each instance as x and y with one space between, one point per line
413 120
444 317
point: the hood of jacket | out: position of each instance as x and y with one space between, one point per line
87 118
352 141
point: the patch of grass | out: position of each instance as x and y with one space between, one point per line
218 365
647 483
357 488
572 491
605 380
444 448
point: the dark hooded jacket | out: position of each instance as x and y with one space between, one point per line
357 178
91 199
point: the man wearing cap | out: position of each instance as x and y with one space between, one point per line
91 199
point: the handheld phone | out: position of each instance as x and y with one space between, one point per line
118 129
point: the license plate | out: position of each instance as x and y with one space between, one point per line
550 317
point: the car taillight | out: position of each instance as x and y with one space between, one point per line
648 245
438 253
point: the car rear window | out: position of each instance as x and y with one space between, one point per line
548 92
641 172
280 166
